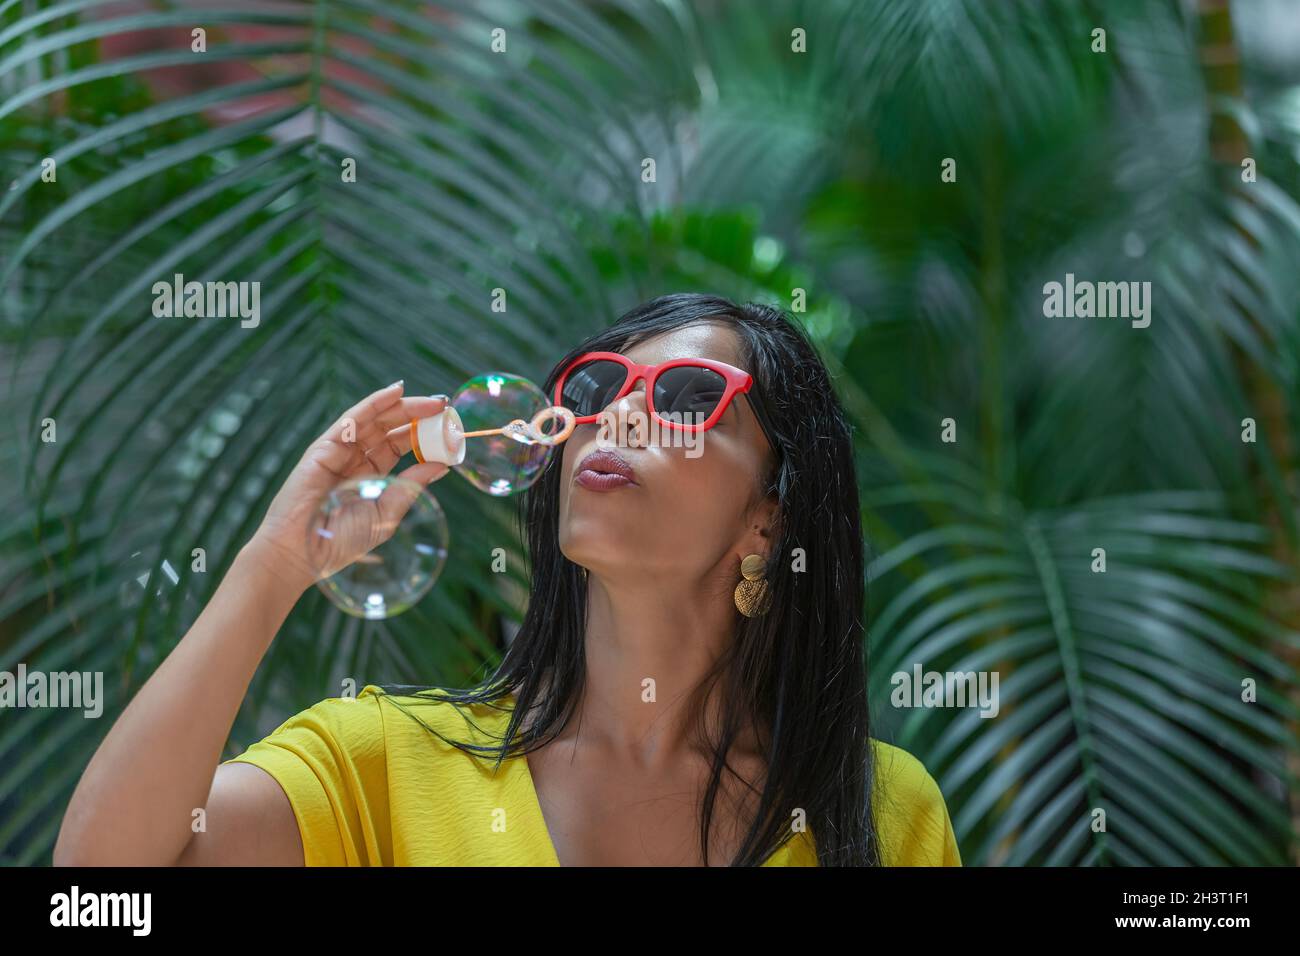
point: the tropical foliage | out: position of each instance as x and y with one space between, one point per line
515 161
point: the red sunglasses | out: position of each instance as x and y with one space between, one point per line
688 394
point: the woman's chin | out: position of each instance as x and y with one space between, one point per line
598 552
598 532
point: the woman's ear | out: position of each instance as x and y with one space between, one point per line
763 519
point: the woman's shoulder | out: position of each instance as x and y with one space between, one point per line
351 719
377 717
409 714
911 816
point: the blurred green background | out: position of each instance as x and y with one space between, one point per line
776 170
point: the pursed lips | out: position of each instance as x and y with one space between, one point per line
604 470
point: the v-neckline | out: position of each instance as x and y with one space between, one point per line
536 807
536 800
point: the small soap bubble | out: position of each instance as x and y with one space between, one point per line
521 432
155 582
378 545
543 430
145 576
510 462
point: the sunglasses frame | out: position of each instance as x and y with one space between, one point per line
738 382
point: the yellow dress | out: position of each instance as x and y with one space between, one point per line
372 787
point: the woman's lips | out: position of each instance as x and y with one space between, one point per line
604 471
596 481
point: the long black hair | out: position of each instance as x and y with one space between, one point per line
798 672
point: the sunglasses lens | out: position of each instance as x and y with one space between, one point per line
688 394
592 385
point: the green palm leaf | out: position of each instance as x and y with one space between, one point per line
777 171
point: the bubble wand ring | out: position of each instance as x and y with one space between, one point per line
534 429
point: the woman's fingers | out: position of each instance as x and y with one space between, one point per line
340 454
401 413
398 497
340 451
337 458
378 432
390 449
425 473
351 422
384 449
367 436
383 410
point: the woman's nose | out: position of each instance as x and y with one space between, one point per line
631 417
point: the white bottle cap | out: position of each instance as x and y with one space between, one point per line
440 437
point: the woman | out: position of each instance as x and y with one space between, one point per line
659 705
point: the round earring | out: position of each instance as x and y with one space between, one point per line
752 596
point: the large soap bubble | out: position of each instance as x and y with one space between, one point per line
378 545
502 464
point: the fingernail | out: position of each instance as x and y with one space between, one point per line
397 383
439 397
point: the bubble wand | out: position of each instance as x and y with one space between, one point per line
441 437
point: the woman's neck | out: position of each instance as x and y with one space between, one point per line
649 645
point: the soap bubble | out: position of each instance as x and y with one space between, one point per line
156 581
502 464
374 556
143 576
550 426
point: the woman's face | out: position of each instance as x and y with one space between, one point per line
691 512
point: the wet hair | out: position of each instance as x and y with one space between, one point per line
797 674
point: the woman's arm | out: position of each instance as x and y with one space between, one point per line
137 802
137 799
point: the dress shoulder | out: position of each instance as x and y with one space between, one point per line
911 816
411 717
330 761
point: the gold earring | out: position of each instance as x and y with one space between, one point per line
752 597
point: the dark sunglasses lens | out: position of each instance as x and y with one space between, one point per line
592 385
688 394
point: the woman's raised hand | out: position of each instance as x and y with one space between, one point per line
368 440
